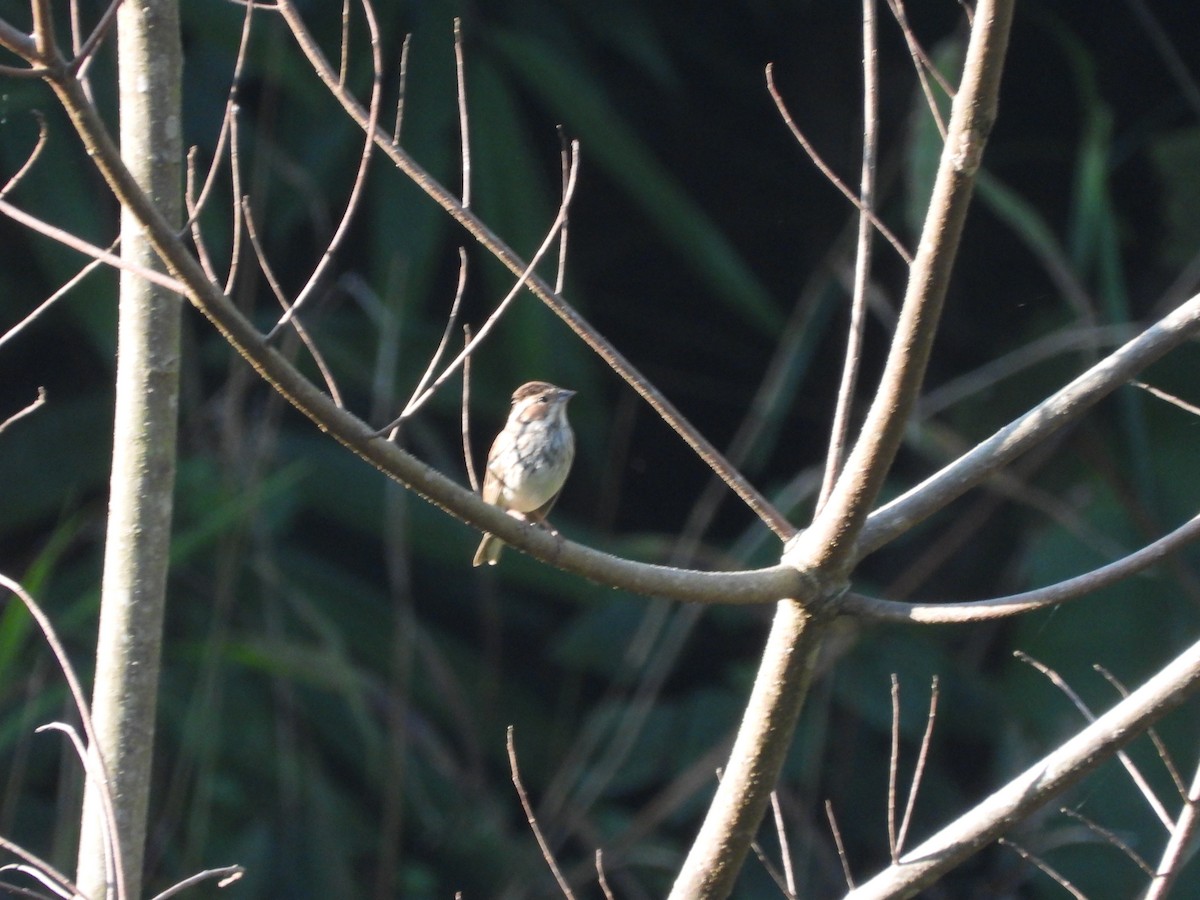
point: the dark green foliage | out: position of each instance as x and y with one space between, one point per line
337 679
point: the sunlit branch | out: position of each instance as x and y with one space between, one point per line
1048 417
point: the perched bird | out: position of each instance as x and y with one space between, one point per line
529 460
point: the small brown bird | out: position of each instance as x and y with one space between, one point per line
529 460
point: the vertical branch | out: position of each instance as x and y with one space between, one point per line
862 267
463 120
831 538
782 682
137 543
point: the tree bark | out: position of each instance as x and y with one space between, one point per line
137 545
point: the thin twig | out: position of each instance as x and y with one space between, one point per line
922 65
852 359
919 768
1134 773
893 772
235 187
704 448
564 163
604 888
837 842
100 777
785 853
38 147
1175 855
829 174
419 400
193 222
227 875
57 295
344 54
773 872
31 408
464 132
1110 837
67 892
468 454
402 87
86 53
360 179
1170 398
227 141
1044 867
451 319
1152 733
82 246
265 265
532 819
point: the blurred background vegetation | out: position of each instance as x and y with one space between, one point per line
337 679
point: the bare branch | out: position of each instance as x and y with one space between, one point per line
1044 867
893 769
922 65
468 456
532 819
837 841
829 174
228 124
38 147
227 875
49 301
1170 398
1134 773
836 528
1001 607
1175 855
99 773
265 265
70 240
840 429
604 889
419 400
22 45
444 342
403 87
86 53
1048 417
464 131
1058 770
360 178
22 413
919 768
704 448
1152 733
764 585
785 853
53 880
1110 837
